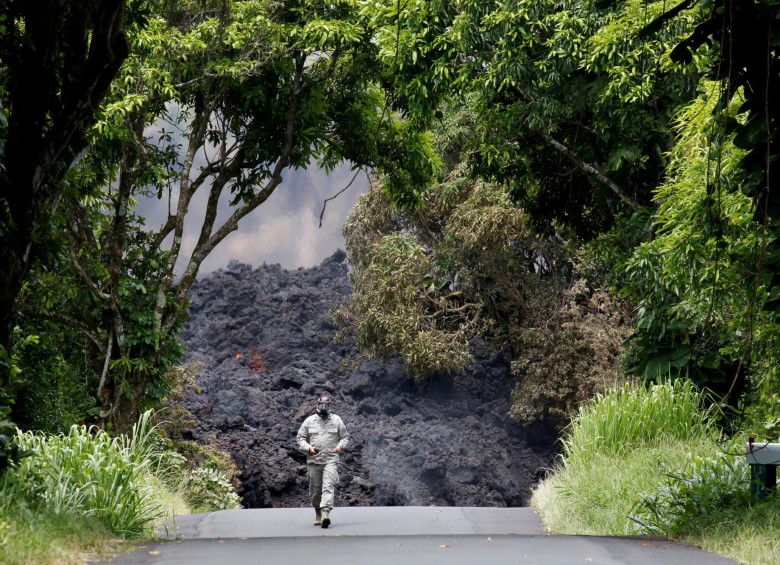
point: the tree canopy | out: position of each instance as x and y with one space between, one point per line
598 169
639 137
222 98
572 106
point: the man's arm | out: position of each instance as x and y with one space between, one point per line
302 439
343 436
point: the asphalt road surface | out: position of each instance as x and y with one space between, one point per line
396 535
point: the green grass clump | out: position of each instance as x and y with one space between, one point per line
649 460
748 534
86 472
29 536
77 495
82 494
634 416
596 496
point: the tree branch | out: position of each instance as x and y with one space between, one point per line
593 171
199 128
66 321
72 233
325 202
106 363
206 245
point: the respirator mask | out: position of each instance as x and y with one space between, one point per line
323 407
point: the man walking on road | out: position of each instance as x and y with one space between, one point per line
322 436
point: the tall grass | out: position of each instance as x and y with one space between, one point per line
78 492
86 472
641 460
29 535
636 416
596 496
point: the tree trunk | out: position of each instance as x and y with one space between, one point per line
125 409
13 272
60 65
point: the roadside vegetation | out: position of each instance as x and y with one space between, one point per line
84 493
651 460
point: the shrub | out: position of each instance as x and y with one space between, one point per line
703 485
87 472
9 448
567 350
210 490
209 477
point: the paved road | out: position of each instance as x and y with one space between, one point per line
397 536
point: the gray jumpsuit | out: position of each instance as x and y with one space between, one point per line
324 434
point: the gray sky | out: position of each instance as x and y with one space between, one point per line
285 229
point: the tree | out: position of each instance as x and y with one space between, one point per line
424 285
57 62
252 88
567 109
466 269
571 107
707 285
746 62
698 299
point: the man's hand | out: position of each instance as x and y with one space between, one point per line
337 449
313 450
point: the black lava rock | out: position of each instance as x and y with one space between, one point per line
266 339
